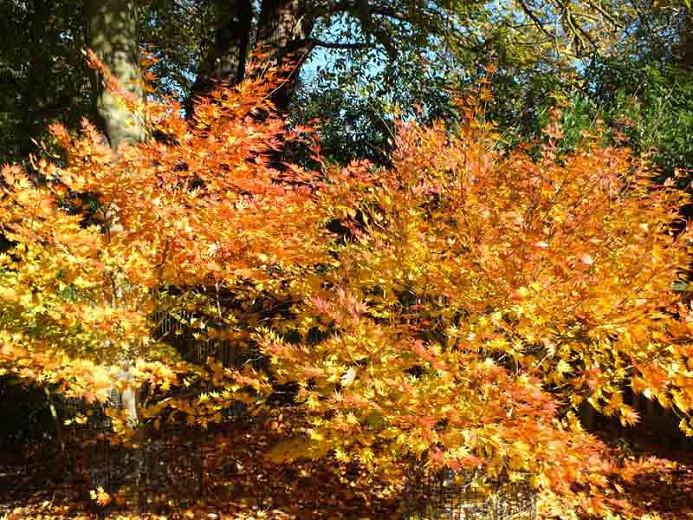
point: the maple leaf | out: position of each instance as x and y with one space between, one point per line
100 496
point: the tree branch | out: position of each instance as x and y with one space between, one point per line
532 15
338 45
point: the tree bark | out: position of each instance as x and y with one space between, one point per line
225 62
111 29
283 36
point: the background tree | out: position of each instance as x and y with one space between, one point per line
42 71
412 48
118 84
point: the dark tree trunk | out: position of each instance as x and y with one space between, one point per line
225 62
687 40
283 35
282 39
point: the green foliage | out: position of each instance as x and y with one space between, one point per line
652 106
43 76
642 105
176 32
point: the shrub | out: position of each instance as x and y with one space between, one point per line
451 310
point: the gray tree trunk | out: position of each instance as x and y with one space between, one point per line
111 29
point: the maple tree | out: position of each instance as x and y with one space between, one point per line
453 310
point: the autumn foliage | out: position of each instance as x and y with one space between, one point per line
454 310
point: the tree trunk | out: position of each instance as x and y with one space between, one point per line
111 28
686 44
283 35
56 419
226 59
282 38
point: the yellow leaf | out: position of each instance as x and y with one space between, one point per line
100 496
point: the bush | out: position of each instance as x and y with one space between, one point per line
451 310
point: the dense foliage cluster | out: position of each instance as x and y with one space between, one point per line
454 309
